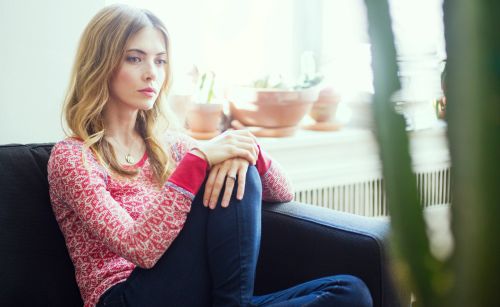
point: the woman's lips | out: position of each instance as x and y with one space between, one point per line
149 92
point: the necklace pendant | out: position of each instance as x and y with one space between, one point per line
129 159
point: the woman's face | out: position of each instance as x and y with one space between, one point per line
137 82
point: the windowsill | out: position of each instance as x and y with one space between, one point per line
319 159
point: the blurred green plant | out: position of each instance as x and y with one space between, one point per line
309 76
276 82
205 90
270 81
470 277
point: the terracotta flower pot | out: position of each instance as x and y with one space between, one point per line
204 118
270 108
325 108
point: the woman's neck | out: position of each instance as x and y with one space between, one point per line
120 124
120 131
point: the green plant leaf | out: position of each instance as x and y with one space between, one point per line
410 241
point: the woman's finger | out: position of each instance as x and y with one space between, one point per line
218 185
245 154
251 148
228 189
223 147
244 139
210 184
246 132
239 140
242 175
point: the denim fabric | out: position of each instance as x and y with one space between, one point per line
338 291
213 260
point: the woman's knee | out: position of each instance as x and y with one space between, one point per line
252 181
252 192
253 189
359 292
342 290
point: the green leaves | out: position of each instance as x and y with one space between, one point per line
472 277
473 112
410 242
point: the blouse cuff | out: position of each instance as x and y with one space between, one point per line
263 162
190 173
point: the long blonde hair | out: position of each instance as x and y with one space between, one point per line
99 55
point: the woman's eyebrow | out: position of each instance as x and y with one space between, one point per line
144 52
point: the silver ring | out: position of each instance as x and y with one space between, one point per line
232 177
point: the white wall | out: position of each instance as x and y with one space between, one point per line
38 40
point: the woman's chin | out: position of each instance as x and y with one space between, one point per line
146 106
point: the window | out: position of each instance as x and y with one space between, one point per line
244 40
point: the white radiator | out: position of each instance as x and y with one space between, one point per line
367 197
341 170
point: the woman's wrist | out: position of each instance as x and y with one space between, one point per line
200 153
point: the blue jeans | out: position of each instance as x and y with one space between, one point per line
212 262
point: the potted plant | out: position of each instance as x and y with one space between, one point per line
324 109
271 106
204 116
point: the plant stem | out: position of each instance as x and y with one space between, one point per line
473 112
409 237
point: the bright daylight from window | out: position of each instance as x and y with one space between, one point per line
242 41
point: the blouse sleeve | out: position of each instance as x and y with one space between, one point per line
275 185
180 144
78 181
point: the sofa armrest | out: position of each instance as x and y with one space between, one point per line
301 242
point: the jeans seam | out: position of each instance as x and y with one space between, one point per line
242 272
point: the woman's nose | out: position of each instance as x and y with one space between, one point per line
150 72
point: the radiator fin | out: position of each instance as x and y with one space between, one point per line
367 198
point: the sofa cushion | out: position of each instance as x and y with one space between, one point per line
35 268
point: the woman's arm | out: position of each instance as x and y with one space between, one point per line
275 185
82 187
228 145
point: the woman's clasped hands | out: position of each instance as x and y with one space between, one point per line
228 156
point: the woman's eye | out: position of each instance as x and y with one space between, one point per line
133 59
161 61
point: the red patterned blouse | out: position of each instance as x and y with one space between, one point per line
112 224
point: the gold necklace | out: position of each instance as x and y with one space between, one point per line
128 156
129 159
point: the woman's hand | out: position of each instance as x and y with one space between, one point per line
225 173
230 144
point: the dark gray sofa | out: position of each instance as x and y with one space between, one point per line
299 241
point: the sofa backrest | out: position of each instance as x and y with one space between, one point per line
35 268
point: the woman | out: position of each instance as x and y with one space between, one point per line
140 210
